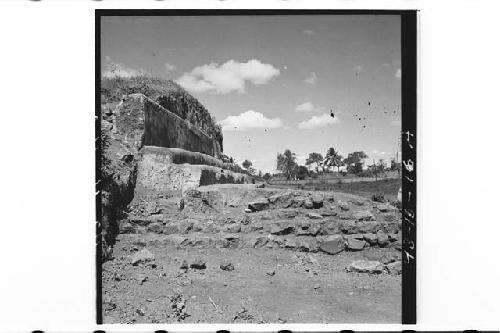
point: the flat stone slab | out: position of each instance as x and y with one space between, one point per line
333 244
141 257
366 266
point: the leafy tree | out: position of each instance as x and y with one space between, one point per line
333 158
246 164
354 161
395 166
266 176
302 172
286 163
314 158
381 165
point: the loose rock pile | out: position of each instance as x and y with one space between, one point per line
230 217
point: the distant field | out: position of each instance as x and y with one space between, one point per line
389 186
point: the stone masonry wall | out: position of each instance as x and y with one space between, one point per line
157 173
144 122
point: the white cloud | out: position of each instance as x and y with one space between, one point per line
312 79
249 120
228 77
113 69
318 121
309 32
398 73
305 107
169 67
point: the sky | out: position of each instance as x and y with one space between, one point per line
272 81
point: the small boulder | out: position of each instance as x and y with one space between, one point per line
171 229
185 226
349 227
390 217
305 228
308 204
363 216
395 268
332 244
271 272
343 206
385 208
328 211
234 228
330 228
298 201
366 266
288 214
259 205
370 238
281 228
248 210
306 244
366 227
227 266
314 216
198 264
354 244
259 241
184 265
329 197
142 257
127 227
355 236
290 243
155 227
382 239
317 200
378 197
397 245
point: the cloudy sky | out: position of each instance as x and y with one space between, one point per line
271 81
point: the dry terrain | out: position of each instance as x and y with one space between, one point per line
243 253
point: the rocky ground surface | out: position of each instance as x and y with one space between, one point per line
244 254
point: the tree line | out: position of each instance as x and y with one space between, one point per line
286 162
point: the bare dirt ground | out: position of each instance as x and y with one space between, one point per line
201 257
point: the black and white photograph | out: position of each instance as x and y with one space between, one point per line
251 168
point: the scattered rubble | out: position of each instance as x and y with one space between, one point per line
178 306
243 315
